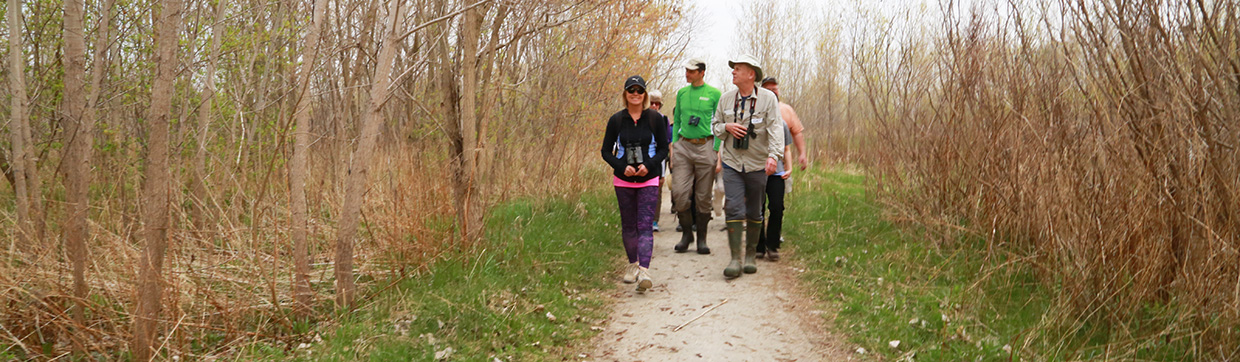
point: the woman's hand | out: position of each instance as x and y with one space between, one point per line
629 171
641 170
787 173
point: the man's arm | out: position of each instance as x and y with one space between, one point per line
798 135
717 124
676 119
787 170
776 133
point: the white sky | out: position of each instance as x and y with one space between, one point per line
714 41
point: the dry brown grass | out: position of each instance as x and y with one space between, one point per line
228 285
231 285
1098 138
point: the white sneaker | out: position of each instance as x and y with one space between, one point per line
630 273
643 280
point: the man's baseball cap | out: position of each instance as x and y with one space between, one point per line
769 80
656 96
748 60
635 80
695 64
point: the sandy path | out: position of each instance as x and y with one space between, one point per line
766 317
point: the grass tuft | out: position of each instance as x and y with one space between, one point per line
494 301
943 301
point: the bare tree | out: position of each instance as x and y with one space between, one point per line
155 189
199 182
79 138
17 112
356 187
469 205
99 67
258 93
461 111
297 165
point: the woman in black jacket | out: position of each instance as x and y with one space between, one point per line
638 137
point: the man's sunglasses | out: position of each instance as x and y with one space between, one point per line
636 90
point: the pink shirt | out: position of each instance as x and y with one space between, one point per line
616 181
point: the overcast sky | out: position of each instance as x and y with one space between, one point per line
716 36
714 39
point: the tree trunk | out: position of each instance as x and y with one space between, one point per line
99 68
361 158
155 188
199 186
17 89
487 65
34 183
79 139
451 113
471 27
297 166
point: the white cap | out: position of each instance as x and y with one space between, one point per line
695 64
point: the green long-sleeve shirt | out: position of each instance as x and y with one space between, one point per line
694 102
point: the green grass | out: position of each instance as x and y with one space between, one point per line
943 303
540 257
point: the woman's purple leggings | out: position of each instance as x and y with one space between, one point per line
637 212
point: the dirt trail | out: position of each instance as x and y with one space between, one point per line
766 317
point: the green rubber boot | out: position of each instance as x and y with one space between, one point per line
735 229
752 232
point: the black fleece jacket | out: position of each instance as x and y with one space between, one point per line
649 130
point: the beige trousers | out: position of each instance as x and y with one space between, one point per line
694 167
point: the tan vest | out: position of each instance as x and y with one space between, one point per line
768 126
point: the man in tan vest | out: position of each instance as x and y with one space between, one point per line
748 122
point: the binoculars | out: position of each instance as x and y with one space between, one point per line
743 142
694 121
633 154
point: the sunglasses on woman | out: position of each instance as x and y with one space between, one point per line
636 90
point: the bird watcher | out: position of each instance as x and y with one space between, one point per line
748 118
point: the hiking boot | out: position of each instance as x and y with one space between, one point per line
735 229
751 246
702 220
761 255
643 280
655 227
772 255
630 273
686 236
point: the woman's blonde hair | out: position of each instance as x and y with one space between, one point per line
624 99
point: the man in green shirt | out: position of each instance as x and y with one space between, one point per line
694 153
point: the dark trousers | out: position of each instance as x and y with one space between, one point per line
775 222
637 213
743 193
